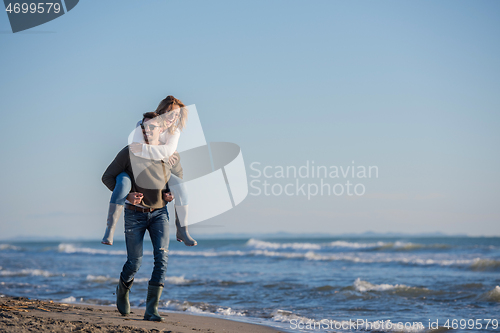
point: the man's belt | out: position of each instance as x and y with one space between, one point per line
139 209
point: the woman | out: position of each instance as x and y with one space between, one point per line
174 114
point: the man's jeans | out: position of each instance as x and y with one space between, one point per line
136 224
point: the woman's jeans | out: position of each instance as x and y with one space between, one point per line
177 187
122 189
136 224
124 185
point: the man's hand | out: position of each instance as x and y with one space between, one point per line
172 159
168 196
135 198
135 147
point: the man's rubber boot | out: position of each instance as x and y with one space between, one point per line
181 214
122 291
114 213
154 293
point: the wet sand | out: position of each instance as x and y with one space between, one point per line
20 314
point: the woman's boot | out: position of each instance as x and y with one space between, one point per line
152 300
114 213
122 291
181 214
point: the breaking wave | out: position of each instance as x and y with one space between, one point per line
28 272
365 286
202 308
106 279
70 248
340 244
304 324
4 247
485 264
476 264
492 295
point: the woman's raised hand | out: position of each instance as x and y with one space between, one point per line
172 159
135 147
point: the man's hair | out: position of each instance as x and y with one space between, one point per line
149 115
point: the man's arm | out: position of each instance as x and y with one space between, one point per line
116 167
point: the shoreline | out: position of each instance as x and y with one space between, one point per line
21 314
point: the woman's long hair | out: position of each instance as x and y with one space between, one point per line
164 105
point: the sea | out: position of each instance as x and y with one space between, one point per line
343 284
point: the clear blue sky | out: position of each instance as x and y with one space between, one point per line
411 87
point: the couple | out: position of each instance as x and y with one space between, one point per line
143 177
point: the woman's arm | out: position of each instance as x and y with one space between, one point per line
162 152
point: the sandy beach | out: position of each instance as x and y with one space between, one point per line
20 314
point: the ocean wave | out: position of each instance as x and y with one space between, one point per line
229 312
286 316
360 258
365 286
325 288
407 246
106 279
4 247
340 244
28 272
466 286
14 284
177 280
485 264
258 244
70 248
70 299
363 258
201 308
492 295
114 280
239 254
101 279
209 253
227 283
476 264
304 324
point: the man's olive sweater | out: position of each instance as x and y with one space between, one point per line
148 176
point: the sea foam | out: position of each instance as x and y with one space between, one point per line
258 244
4 247
70 248
27 272
341 244
202 308
492 295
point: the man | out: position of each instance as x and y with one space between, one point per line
144 210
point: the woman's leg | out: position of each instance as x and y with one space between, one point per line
122 189
178 188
